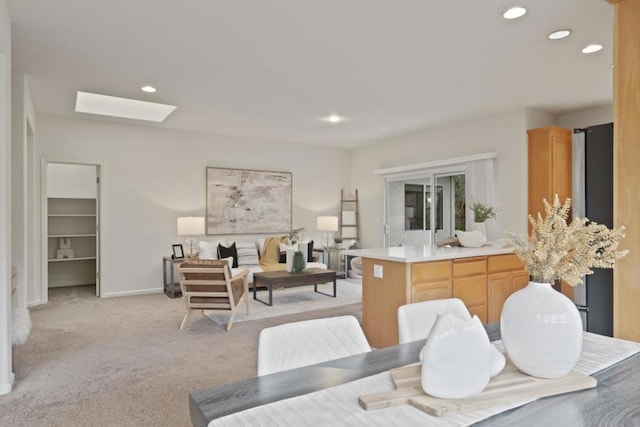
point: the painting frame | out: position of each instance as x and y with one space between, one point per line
248 201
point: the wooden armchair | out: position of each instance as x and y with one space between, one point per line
208 285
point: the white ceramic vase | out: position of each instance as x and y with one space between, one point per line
481 227
457 358
541 331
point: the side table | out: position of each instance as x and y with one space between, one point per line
330 257
170 285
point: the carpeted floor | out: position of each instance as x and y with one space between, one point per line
124 362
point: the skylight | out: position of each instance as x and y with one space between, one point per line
105 105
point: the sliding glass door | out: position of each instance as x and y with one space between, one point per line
423 210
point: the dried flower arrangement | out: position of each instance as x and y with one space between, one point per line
556 250
482 212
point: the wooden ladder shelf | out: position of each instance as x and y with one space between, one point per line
349 217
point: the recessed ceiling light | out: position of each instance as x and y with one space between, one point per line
148 89
114 106
514 12
333 118
592 48
560 34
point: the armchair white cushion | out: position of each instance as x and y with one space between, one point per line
308 342
416 320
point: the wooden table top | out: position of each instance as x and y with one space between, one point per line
283 274
613 402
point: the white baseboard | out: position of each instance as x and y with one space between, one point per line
130 293
7 387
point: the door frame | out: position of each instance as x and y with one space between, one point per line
100 212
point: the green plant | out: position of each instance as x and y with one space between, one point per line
556 250
298 263
482 212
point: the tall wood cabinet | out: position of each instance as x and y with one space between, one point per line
549 165
549 172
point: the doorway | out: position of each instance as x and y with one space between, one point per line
70 225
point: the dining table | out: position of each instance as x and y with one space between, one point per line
614 401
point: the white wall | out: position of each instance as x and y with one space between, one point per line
71 181
24 245
6 376
537 119
504 133
585 118
152 176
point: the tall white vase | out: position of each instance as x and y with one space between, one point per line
541 331
481 227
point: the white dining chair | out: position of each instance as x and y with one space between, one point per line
298 344
416 320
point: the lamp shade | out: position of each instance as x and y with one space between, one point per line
327 223
190 225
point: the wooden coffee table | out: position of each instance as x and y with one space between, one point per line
282 279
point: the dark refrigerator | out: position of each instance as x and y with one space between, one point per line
593 198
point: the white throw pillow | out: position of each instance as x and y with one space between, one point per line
471 239
229 261
247 254
208 250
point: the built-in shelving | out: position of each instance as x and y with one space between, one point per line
72 235
74 219
72 259
71 215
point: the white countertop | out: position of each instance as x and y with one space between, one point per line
429 252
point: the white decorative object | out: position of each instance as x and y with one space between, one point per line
481 227
290 254
541 331
64 248
457 358
471 239
498 361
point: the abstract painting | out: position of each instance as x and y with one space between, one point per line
241 201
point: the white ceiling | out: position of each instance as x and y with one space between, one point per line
270 69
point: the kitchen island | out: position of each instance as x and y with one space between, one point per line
482 278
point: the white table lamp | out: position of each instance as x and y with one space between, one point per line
328 224
191 226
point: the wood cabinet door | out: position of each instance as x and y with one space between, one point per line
430 271
472 291
499 290
431 290
561 169
519 280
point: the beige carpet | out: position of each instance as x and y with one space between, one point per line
123 361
